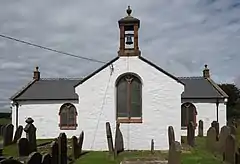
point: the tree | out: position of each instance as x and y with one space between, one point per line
233 104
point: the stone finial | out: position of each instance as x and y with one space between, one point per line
36 74
206 73
29 120
129 10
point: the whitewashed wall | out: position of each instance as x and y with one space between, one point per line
161 105
207 112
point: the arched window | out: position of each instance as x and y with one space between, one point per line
129 99
68 117
188 114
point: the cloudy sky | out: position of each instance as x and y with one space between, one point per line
178 35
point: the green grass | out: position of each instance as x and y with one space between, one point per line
4 121
196 155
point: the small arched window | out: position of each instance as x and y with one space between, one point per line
68 117
188 114
129 99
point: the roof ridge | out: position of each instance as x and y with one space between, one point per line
22 89
190 77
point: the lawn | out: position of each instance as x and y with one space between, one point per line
196 155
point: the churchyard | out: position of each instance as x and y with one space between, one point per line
220 145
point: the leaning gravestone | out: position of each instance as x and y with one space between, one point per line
30 130
75 147
18 133
200 128
224 133
215 124
109 138
62 148
230 149
191 134
46 159
54 152
34 158
23 147
119 147
8 135
211 139
80 141
174 155
171 135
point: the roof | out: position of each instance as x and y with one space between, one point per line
48 89
64 89
200 87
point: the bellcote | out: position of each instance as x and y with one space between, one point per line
129 35
206 72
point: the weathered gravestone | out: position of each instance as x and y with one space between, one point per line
10 161
8 135
152 146
233 129
62 148
211 139
80 141
225 131
54 152
230 149
30 130
109 138
23 147
200 128
191 134
215 124
171 135
46 159
2 129
174 155
75 147
34 158
119 147
18 133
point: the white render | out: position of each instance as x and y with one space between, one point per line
161 104
207 112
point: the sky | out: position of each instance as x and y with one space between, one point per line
180 36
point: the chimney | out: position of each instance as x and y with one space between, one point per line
206 73
36 74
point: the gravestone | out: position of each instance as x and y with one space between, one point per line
34 158
171 135
8 135
237 156
23 147
230 149
174 155
152 146
109 138
215 124
18 133
233 129
30 130
54 152
2 129
80 141
10 161
46 159
225 131
119 147
75 147
191 134
62 148
200 128
211 139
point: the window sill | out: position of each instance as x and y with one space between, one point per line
131 120
184 128
73 127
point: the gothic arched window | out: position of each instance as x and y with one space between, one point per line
129 99
68 117
188 114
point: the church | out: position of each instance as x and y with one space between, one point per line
130 90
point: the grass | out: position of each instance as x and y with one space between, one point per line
196 155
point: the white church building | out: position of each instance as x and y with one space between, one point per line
129 89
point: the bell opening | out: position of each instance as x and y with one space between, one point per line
129 40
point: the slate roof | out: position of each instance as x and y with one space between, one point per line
64 89
200 87
48 89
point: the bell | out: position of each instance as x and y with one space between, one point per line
129 39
